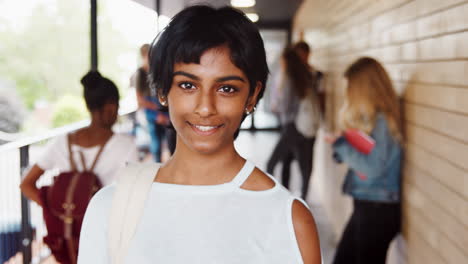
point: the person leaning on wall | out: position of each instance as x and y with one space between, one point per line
371 144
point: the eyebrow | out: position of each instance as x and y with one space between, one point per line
186 74
221 79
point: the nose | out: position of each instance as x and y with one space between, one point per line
206 104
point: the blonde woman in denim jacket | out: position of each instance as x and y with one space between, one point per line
373 180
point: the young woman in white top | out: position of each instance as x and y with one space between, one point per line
102 100
207 204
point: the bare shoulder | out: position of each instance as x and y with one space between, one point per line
258 181
306 233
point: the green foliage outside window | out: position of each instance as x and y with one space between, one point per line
67 110
46 52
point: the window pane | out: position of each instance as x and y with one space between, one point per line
123 26
44 51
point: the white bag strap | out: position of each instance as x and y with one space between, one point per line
133 186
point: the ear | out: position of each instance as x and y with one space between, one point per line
162 99
106 107
109 108
252 100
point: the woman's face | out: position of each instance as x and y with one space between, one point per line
207 100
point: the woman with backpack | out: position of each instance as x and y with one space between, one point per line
300 118
207 204
86 159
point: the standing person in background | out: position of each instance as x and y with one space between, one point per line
146 97
95 148
373 179
296 143
304 51
143 90
102 100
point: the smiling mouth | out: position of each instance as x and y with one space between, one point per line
205 129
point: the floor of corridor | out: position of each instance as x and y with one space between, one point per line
257 148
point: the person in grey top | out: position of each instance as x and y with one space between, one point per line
298 88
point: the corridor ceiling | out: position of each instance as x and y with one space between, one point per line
272 13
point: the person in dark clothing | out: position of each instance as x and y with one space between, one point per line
294 142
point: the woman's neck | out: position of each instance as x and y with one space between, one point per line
92 135
189 167
99 128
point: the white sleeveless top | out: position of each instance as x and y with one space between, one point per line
208 224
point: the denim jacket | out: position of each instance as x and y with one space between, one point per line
381 166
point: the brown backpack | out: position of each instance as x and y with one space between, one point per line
64 205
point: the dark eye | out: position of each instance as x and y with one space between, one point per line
187 86
227 89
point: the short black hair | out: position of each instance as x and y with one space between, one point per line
199 28
98 91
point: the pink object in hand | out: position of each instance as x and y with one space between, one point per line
361 176
359 140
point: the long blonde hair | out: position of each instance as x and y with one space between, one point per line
369 92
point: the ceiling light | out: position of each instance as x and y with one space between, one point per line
252 16
242 3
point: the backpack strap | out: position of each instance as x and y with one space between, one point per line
83 163
82 158
132 189
70 154
99 154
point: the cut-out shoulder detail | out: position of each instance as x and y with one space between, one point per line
306 233
258 181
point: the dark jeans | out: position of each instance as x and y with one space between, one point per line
157 134
368 234
293 145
